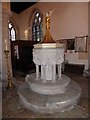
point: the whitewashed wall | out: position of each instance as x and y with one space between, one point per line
67 21
15 19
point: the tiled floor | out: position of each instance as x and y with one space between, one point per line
13 109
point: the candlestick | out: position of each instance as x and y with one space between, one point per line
10 83
6 45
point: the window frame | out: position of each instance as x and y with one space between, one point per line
10 30
37 26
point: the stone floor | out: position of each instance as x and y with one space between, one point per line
12 108
0 100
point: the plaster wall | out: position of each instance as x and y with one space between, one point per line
15 19
68 19
6 6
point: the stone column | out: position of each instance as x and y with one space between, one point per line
37 72
54 72
0 41
48 72
5 35
42 72
59 70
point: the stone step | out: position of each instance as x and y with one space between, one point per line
49 103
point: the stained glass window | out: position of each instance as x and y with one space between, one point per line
37 27
12 32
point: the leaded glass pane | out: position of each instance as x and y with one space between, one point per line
12 33
10 25
37 28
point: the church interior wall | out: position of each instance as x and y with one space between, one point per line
67 21
6 6
15 19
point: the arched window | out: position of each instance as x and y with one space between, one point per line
37 27
12 32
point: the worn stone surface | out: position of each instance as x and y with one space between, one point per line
13 109
48 87
49 103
